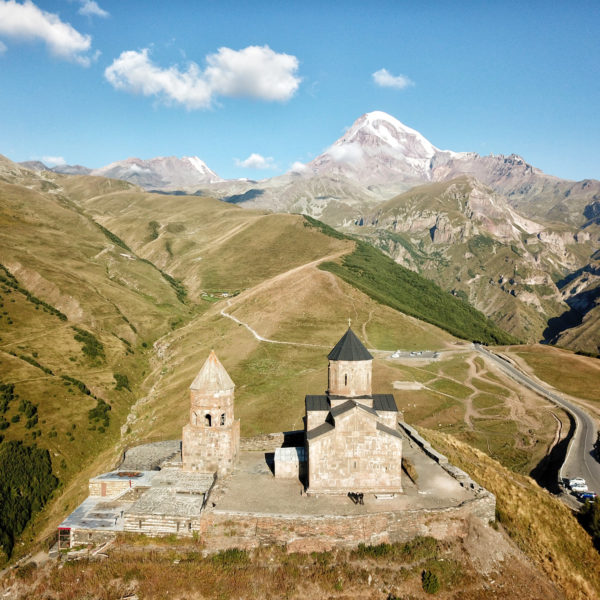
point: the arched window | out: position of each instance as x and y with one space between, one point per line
346 379
207 420
223 419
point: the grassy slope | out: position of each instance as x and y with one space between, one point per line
271 380
59 255
54 247
380 277
568 372
542 526
210 245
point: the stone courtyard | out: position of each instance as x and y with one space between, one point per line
253 488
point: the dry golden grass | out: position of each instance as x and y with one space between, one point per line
541 525
372 572
568 372
271 379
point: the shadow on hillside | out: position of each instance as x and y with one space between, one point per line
245 197
570 318
546 471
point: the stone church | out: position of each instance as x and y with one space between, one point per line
352 440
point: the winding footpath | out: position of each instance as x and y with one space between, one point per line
259 337
579 461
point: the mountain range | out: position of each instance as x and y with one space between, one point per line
519 244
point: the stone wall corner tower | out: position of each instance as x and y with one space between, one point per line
211 439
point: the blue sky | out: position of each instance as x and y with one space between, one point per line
94 82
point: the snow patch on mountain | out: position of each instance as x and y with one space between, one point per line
162 173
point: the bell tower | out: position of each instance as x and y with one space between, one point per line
350 368
211 439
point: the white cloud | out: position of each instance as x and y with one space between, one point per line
256 161
89 8
134 72
298 167
2 48
384 78
137 169
53 161
253 72
347 153
27 22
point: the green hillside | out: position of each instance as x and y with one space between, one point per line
378 276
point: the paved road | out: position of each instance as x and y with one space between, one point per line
578 462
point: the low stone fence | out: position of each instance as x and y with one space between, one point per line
463 478
269 442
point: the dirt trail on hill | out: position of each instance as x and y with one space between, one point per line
259 337
264 286
269 282
233 231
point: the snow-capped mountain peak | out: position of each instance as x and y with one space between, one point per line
163 172
377 128
378 150
201 166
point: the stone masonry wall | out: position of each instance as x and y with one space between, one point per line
209 449
356 456
159 525
300 533
350 378
111 487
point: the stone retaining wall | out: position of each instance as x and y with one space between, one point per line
221 530
463 478
269 442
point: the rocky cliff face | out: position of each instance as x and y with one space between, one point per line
579 327
472 242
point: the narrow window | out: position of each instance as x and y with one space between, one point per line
345 379
207 420
140 523
223 419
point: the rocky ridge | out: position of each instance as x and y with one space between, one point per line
472 242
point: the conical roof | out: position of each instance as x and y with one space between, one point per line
349 348
212 376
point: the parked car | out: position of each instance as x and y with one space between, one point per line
576 482
579 489
587 496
